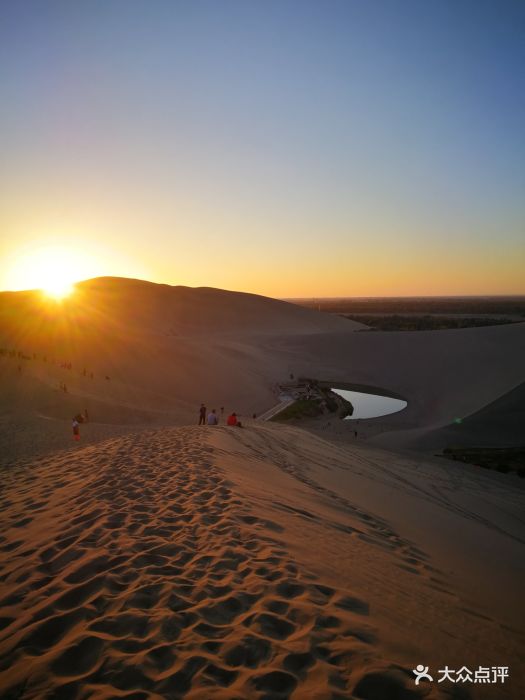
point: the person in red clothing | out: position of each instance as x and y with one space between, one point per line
232 420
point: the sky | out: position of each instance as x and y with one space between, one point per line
286 148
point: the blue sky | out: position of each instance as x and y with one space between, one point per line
287 148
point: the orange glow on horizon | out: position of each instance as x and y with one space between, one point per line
54 270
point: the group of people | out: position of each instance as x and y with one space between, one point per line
212 418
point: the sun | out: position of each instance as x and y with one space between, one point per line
58 289
54 270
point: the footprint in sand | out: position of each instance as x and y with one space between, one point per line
173 590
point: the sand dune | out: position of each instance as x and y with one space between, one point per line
120 304
443 375
257 563
153 574
204 563
499 424
165 349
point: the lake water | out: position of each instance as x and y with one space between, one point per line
370 405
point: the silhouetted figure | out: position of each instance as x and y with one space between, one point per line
222 410
254 416
212 418
202 414
76 430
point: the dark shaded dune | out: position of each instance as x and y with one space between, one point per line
278 684
203 309
120 305
133 352
35 395
80 658
388 684
499 424
250 652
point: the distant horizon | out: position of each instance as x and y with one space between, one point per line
411 296
309 297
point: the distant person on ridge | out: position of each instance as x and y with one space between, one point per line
76 430
212 418
232 420
202 414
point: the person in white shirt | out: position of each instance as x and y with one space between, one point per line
212 418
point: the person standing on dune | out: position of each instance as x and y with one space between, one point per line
76 430
202 414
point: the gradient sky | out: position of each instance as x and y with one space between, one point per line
286 148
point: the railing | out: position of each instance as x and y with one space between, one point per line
271 412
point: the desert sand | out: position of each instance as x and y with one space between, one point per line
158 559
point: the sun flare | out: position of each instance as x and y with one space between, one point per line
58 289
53 270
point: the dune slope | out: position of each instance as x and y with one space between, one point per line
136 352
255 563
122 346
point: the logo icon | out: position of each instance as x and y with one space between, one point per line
421 672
